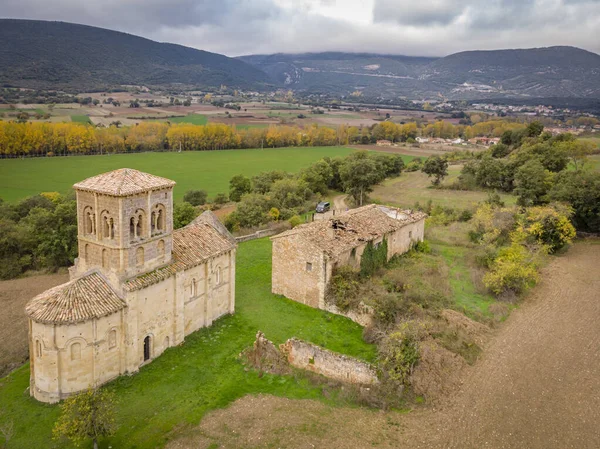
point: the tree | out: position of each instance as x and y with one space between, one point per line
89 415
581 190
195 197
359 174
437 167
534 129
238 186
183 214
318 176
533 182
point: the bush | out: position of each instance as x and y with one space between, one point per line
548 225
373 258
195 197
513 270
399 352
343 288
296 220
422 247
220 198
183 214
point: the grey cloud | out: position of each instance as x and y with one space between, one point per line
427 28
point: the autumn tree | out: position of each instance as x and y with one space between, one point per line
89 415
437 168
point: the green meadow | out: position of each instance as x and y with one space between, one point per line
202 374
206 170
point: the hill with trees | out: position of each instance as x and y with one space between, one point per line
58 55
536 72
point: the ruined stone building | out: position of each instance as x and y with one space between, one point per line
137 288
305 257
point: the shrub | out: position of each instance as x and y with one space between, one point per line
548 225
232 222
343 288
373 258
399 352
513 270
183 214
296 220
274 214
220 198
195 197
422 247
388 308
437 167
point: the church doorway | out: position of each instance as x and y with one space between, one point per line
147 348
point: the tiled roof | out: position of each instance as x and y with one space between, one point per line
123 182
348 230
81 299
192 246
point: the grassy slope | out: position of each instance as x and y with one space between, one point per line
204 373
194 119
409 188
207 170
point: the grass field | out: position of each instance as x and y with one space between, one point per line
207 170
204 373
411 187
194 119
252 125
78 118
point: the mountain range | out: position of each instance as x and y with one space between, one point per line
59 55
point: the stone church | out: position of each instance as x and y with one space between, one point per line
137 288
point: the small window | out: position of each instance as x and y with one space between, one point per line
76 351
308 266
194 288
112 339
161 249
105 259
410 234
38 348
166 344
218 276
377 245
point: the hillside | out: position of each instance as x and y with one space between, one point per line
40 54
539 72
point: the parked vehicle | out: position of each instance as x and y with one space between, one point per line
323 207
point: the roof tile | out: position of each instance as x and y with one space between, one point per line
123 182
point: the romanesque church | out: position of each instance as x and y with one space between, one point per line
137 288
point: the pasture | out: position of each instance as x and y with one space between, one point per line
204 373
206 170
414 187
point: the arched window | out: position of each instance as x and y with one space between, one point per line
105 259
218 277
86 253
194 288
89 219
158 218
147 348
139 257
161 249
112 339
75 351
166 344
38 348
132 223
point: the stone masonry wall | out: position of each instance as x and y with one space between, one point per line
343 368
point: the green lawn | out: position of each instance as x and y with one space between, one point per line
252 125
79 118
204 373
207 170
194 119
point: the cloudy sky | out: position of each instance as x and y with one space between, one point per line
425 27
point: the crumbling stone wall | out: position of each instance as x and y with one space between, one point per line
343 368
363 314
265 356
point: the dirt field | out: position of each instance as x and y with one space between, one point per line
536 386
13 324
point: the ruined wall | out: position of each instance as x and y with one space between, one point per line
298 271
330 364
363 314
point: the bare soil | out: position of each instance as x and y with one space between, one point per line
14 295
536 385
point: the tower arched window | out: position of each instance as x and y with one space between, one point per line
158 218
105 259
107 226
89 221
161 249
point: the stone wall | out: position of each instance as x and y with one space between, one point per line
258 235
363 315
343 368
265 356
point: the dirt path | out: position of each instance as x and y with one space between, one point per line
537 386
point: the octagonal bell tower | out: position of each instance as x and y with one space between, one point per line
124 223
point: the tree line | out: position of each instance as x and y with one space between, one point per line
39 138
